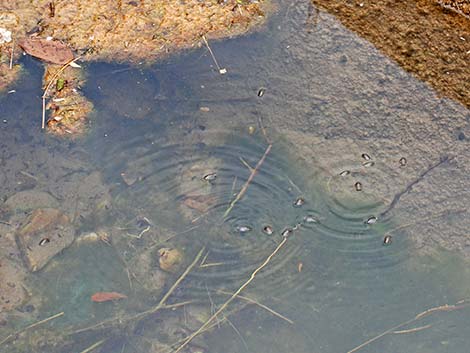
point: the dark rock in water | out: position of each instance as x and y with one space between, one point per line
12 274
30 200
45 233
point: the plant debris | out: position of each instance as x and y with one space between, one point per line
100 297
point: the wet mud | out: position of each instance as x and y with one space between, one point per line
426 37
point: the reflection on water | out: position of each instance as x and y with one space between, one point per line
174 145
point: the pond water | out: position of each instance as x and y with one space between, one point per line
190 169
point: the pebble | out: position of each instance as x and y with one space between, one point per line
261 92
402 161
368 164
366 156
344 173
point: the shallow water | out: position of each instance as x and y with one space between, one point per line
329 98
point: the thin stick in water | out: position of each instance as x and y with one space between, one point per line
248 182
253 301
11 335
221 70
446 307
234 295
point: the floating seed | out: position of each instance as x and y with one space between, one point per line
310 219
268 230
358 186
403 161
44 241
368 164
210 177
388 240
287 232
344 173
366 157
371 220
251 129
243 229
299 202
261 92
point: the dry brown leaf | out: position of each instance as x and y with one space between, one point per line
52 51
100 297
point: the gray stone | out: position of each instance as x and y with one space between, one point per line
29 200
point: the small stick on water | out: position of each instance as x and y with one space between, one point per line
51 81
411 330
94 345
234 295
245 163
31 326
248 182
11 53
268 309
221 71
462 304
263 130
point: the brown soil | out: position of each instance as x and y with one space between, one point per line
424 37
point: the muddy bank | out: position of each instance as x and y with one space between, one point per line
425 38
131 31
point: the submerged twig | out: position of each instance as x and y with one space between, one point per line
248 182
268 309
221 70
11 335
161 304
462 304
420 177
412 330
234 295
94 345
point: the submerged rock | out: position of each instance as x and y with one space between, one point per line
46 233
29 200
12 273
